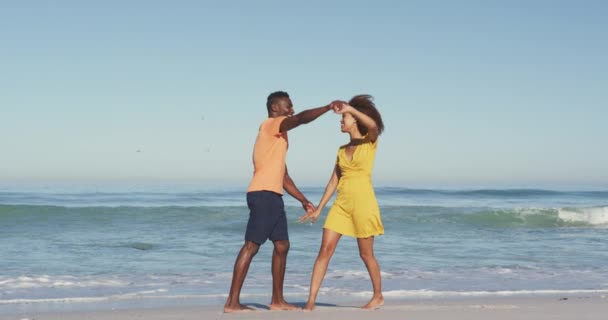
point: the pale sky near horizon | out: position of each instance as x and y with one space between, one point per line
473 93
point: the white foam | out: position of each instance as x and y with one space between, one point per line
137 295
354 274
45 281
593 216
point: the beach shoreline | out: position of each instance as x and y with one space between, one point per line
565 306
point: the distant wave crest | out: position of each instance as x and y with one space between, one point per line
500 218
391 215
592 216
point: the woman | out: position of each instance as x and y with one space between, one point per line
355 211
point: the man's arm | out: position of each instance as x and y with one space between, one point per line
293 191
305 116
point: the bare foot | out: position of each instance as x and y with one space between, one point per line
238 308
309 307
283 306
374 303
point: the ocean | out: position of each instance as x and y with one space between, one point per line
74 244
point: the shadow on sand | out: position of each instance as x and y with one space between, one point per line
299 304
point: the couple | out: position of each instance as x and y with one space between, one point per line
354 213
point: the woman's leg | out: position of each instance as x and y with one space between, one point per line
366 251
328 247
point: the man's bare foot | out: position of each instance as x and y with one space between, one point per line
283 306
309 307
374 303
237 308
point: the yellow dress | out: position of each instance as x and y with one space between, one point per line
355 211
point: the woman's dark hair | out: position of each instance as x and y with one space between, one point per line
364 103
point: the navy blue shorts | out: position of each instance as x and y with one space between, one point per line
267 219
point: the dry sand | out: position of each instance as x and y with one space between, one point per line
538 308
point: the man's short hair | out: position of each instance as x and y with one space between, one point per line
274 97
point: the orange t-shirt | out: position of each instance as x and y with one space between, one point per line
269 155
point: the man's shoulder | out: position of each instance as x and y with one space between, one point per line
272 124
275 119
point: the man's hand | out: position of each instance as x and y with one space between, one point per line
335 104
308 206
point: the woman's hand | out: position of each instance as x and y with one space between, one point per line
312 215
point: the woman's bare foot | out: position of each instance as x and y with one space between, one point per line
283 306
237 308
309 307
374 303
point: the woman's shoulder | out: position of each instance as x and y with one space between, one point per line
368 141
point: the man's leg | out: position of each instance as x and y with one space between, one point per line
279 264
241 266
258 229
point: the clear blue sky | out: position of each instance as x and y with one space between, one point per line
473 93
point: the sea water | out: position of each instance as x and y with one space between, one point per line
92 243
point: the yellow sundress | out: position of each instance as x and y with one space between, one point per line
355 211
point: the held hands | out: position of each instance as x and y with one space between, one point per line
335 104
341 107
311 212
308 206
312 216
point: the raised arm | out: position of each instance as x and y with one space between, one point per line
330 189
367 121
293 191
306 116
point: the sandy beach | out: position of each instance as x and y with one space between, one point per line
554 307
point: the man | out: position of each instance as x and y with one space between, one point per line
267 218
